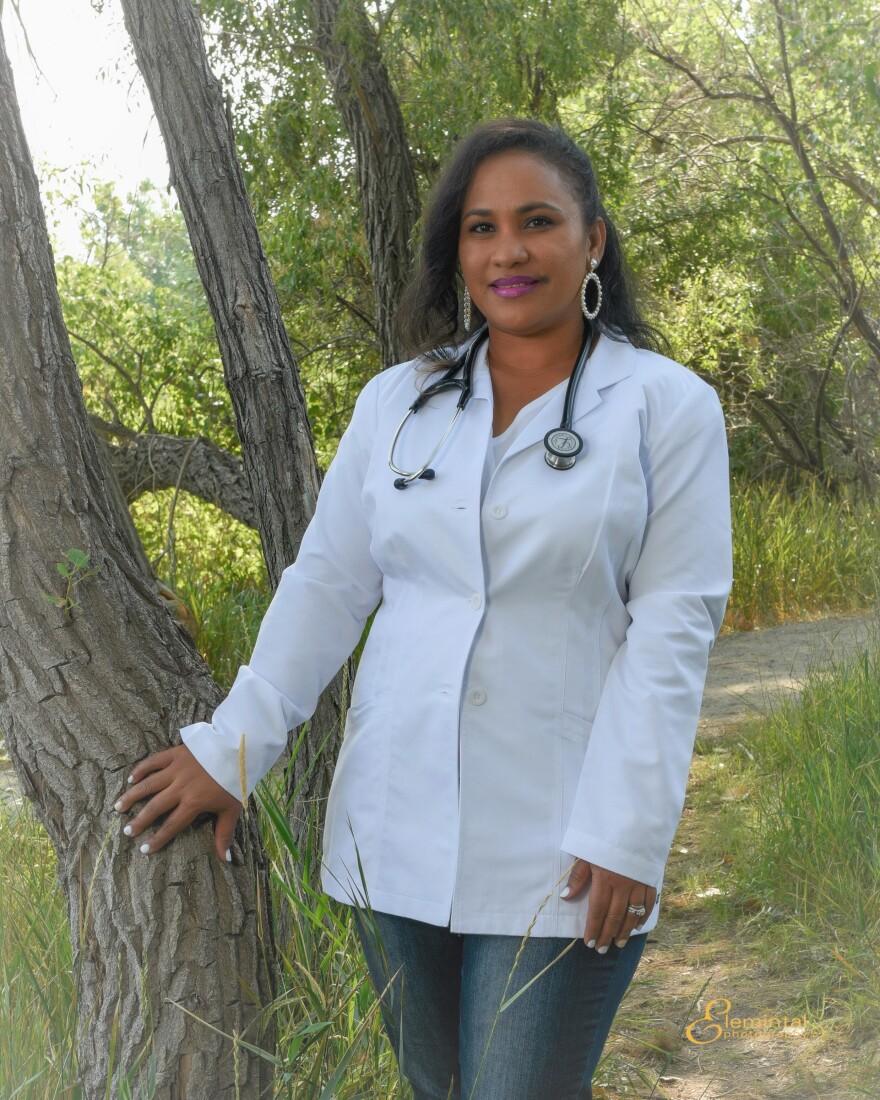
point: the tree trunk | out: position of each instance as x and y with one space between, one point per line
369 108
87 690
122 516
259 366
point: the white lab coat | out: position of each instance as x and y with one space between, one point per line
530 687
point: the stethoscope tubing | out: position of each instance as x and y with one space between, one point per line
558 459
408 477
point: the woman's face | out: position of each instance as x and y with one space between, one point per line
523 246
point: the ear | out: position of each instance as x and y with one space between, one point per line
596 242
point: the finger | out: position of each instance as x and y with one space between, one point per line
600 899
577 879
146 788
150 764
175 823
162 803
614 918
630 920
224 831
650 902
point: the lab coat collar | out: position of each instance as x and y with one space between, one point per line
611 362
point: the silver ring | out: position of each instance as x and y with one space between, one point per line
639 910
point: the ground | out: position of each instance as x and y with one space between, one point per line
688 962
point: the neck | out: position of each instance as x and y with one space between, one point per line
524 367
542 355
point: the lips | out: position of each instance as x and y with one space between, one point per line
514 286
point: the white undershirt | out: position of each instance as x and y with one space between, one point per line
499 444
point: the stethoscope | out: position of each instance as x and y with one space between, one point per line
562 444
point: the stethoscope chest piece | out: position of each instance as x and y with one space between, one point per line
562 448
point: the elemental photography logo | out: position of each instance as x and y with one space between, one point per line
718 1023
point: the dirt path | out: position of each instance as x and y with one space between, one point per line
687 964
748 671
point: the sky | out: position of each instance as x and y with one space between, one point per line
88 104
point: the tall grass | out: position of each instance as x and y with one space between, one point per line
330 1039
811 856
37 994
800 555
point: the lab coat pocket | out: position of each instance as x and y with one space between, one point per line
356 802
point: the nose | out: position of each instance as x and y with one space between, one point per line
510 249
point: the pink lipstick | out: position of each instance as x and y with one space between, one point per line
514 286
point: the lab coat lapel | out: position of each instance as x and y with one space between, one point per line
610 362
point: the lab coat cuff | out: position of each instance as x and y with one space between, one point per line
247 733
215 756
594 849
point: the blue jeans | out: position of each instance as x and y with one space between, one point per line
440 1009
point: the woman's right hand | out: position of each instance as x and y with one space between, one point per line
173 783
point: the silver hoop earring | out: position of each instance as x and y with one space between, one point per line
466 310
591 277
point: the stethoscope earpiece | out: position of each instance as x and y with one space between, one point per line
562 444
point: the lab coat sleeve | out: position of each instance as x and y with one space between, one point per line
632 784
313 623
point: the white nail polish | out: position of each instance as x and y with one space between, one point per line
145 848
564 893
130 779
620 943
592 943
128 830
602 950
228 856
118 805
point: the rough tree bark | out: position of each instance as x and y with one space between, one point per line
147 462
85 694
389 196
259 366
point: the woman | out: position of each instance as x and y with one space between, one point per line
526 703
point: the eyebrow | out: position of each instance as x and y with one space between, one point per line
526 209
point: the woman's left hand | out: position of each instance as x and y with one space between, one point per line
610 894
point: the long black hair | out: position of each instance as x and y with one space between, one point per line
429 318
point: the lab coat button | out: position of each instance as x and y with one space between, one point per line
477 697
476 601
499 511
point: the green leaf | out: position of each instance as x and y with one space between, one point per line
62 569
79 559
871 82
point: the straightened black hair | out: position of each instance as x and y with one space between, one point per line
429 319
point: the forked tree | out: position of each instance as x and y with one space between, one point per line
92 679
173 952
